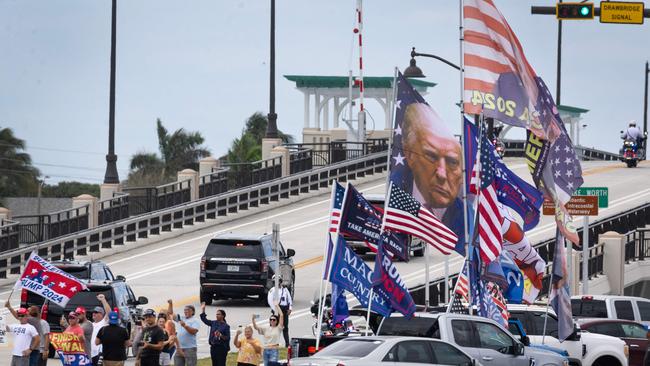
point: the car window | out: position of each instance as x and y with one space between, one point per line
268 248
350 348
411 351
624 309
644 309
109 273
610 329
234 248
492 337
283 253
634 331
514 329
121 295
416 327
97 272
462 330
538 325
588 308
446 354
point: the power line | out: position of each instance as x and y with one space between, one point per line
56 150
62 166
13 171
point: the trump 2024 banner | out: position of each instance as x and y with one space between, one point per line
70 349
42 278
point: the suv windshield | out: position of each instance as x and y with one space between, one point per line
588 308
86 299
416 327
235 248
350 348
77 271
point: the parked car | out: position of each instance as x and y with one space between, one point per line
83 270
481 338
633 333
416 245
235 266
612 307
370 351
587 348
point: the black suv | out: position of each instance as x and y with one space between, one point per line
88 270
235 266
416 245
118 295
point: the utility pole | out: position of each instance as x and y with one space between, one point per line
645 100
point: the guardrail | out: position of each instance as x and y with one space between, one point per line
113 209
632 222
325 153
517 148
153 223
148 199
36 228
246 174
8 235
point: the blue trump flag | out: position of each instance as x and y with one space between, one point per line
386 279
351 273
361 220
340 310
505 273
512 191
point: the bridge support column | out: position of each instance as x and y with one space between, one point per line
5 213
86 199
284 153
268 144
207 165
614 260
107 190
193 176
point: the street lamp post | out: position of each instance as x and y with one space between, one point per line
111 176
645 100
272 127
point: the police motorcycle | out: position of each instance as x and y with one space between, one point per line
328 326
631 153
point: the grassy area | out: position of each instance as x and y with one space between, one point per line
232 358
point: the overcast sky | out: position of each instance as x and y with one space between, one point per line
203 65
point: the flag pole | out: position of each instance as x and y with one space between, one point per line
322 292
368 313
453 290
550 284
462 138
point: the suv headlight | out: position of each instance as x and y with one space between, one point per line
626 350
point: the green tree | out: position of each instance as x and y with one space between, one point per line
248 147
70 189
179 150
17 175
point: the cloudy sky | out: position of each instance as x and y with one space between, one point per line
203 66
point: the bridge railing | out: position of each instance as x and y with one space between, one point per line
156 222
325 153
517 148
148 199
36 228
113 209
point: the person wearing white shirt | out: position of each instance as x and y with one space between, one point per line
286 305
100 320
26 339
632 133
271 336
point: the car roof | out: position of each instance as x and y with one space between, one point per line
389 338
235 236
588 321
72 263
523 307
607 297
375 197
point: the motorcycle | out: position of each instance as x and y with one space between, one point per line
499 147
629 153
328 326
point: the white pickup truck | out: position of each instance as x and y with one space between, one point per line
589 349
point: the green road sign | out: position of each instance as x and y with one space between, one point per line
601 192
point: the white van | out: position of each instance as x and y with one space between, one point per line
611 306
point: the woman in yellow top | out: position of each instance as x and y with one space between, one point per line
250 349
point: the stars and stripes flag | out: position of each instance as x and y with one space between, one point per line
338 192
44 279
490 217
406 215
462 285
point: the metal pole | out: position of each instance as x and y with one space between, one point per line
111 176
369 306
570 268
272 127
585 255
559 61
645 101
276 254
446 287
361 123
38 209
427 279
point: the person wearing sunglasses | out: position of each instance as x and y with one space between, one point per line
272 335
26 339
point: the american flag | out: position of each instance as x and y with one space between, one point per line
462 286
490 218
492 303
406 215
337 201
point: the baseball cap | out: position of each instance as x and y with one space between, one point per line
22 311
80 310
73 314
149 312
113 318
98 309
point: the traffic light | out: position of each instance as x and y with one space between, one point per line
574 11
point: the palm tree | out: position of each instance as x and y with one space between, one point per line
248 147
178 151
17 175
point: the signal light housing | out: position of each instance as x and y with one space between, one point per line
574 11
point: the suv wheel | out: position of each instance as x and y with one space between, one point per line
205 297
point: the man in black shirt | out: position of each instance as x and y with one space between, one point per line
152 340
114 340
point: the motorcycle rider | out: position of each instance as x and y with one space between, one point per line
633 133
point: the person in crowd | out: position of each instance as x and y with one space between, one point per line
86 325
169 341
152 340
74 328
100 315
250 349
219 336
114 341
33 319
187 327
286 305
26 339
271 336
44 347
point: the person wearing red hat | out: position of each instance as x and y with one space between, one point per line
75 328
26 339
